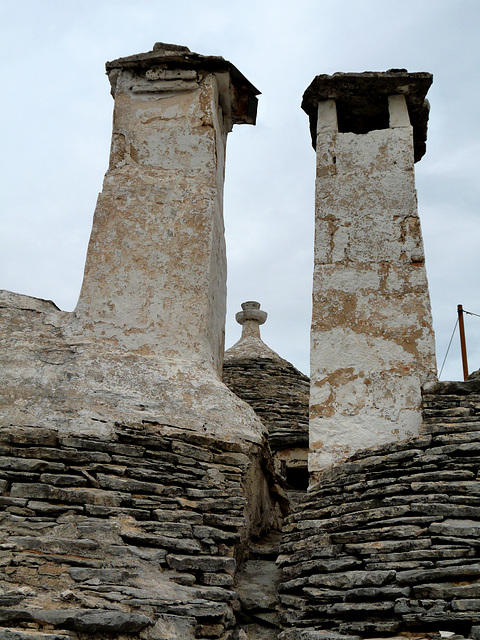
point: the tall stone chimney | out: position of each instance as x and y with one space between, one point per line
372 342
155 275
145 342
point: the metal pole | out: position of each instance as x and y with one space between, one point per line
463 344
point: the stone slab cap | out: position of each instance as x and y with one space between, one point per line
362 101
251 311
166 57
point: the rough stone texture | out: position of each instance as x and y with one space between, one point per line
361 101
144 534
372 337
163 189
277 392
389 542
456 404
146 339
256 586
132 479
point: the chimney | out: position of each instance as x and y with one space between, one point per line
372 342
155 274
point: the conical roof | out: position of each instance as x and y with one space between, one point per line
273 387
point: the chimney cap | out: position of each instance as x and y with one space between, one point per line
362 98
173 56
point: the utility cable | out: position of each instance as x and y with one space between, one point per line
449 345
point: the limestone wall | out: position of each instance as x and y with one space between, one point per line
279 395
388 543
138 534
451 401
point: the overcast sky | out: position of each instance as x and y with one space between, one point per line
56 125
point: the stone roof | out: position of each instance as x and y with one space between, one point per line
271 385
389 539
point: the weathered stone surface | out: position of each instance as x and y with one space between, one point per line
145 342
26 464
75 495
365 535
81 619
202 563
370 627
174 627
383 546
431 548
63 480
372 337
18 634
446 590
348 579
373 593
218 579
31 436
411 577
460 528
256 586
170 543
315 635
173 515
346 608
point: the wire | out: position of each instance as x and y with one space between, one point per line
471 314
448 348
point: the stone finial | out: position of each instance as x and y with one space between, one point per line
251 317
251 344
251 311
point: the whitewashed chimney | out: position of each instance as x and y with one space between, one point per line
372 342
155 275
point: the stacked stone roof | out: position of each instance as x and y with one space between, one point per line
139 533
272 386
388 543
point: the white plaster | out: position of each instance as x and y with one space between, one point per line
155 277
146 341
327 116
398 111
372 344
76 385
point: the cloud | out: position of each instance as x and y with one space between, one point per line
56 123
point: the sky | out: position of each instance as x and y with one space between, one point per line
55 130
